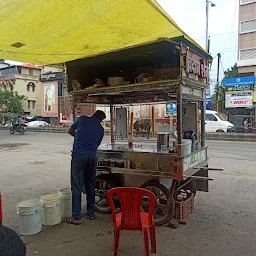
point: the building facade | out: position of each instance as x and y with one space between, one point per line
23 79
247 38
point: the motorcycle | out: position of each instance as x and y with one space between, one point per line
18 128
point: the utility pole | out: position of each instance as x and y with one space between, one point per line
218 82
207 22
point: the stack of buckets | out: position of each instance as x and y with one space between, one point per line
48 211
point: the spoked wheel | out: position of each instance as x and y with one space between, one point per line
103 185
11 130
22 131
163 208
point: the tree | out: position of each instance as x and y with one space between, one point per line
232 72
221 98
220 90
11 102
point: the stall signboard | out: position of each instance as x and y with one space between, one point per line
239 83
171 107
194 159
50 99
239 99
51 76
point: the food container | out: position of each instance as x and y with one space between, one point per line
163 139
113 81
139 165
105 162
120 163
112 162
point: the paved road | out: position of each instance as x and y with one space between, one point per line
223 222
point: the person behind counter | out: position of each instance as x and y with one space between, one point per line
88 134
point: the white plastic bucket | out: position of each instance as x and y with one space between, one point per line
30 217
51 209
66 202
186 147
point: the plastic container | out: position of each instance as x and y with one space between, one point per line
185 147
30 217
52 209
66 201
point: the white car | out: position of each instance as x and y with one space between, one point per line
214 122
38 124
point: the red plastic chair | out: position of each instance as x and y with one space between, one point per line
131 217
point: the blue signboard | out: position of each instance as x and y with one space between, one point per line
171 107
208 101
239 83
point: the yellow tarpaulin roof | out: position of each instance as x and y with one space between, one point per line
57 31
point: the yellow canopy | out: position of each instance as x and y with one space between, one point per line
57 31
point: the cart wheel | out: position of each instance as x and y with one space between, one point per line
103 184
163 211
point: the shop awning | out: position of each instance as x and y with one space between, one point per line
57 31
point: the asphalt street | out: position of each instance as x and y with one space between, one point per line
223 222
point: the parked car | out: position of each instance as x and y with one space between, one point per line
214 122
38 124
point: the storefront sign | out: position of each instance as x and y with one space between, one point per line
171 108
192 160
239 83
51 76
50 99
239 99
197 67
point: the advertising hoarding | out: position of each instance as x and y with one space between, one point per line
50 99
239 99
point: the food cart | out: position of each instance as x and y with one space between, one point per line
165 162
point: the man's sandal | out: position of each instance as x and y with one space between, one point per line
73 221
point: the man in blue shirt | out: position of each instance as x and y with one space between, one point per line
88 134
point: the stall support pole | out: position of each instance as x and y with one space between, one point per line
1 210
179 117
112 123
202 104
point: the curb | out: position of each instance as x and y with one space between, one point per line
209 136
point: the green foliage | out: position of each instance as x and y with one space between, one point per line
232 72
220 90
11 102
221 99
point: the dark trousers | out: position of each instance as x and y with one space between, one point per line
83 173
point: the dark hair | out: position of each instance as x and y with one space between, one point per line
10 243
100 115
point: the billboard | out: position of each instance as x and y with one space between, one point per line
50 99
239 99
239 83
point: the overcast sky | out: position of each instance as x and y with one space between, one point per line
223 26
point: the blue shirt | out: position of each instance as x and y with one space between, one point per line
89 134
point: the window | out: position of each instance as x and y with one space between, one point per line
247 26
28 86
33 88
30 72
242 2
247 54
28 103
19 70
210 117
34 104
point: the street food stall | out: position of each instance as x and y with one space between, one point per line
173 163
